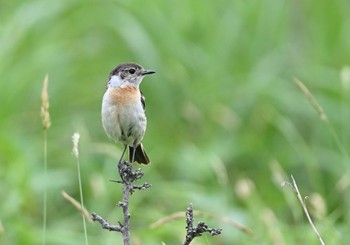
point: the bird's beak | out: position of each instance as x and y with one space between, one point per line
146 72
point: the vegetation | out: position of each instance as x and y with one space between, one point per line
227 124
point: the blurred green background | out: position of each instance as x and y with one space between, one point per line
226 123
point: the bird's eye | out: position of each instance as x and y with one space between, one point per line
132 71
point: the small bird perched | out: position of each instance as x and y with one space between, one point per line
123 110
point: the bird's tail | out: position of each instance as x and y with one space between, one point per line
140 155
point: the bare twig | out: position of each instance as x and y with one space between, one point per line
295 187
144 186
105 224
128 177
196 231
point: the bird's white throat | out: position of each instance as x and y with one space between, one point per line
115 81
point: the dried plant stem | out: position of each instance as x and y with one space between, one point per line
77 205
306 211
45 118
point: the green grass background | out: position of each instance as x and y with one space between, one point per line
226 123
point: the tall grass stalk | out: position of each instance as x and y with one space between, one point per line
296 189
322 115
45 189
75 139
45 118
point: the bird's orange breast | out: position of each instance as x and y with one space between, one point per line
125 95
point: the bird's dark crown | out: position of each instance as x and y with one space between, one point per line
125 67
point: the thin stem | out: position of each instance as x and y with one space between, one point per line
306 211
45 189
75 151
82 201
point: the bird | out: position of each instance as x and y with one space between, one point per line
123 110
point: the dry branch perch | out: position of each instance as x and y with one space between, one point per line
128 177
